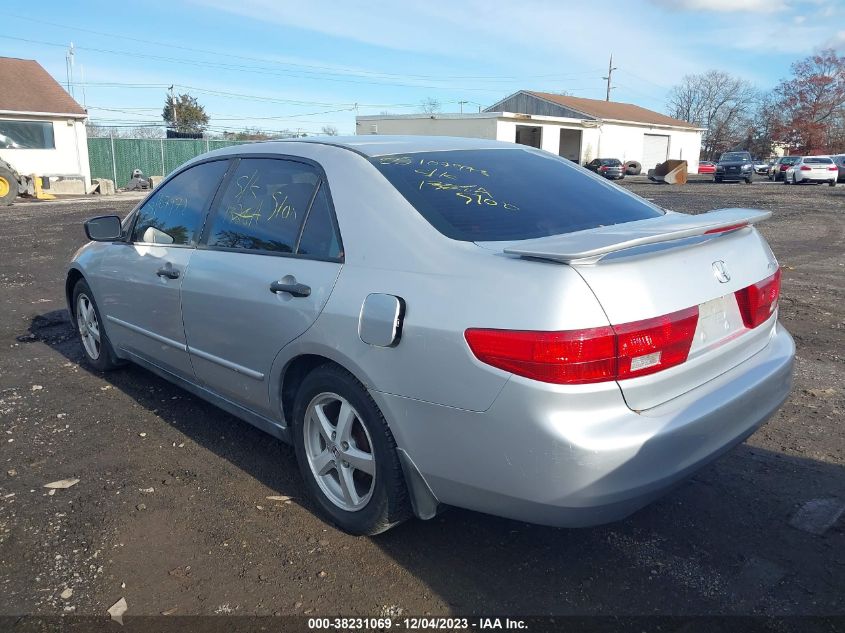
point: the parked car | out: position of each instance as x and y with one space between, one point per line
610 168
812 169
778 169
735 166
444 321
706 167
761 166
839 160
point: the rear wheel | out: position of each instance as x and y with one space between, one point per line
8 184
95 343
832 183
717 179
347 454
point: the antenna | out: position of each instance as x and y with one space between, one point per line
610 69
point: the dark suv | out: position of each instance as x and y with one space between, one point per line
735 166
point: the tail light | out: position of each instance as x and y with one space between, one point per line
576 357
806 168
784 167
603 168
758 301
833 168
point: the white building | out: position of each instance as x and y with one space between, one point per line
42 128
575 128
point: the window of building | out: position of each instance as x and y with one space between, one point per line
26 135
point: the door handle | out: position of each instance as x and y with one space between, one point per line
293 288
170 273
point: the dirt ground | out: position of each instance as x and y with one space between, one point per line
171 508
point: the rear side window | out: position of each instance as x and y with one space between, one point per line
264 205
173 213
319 237
508 194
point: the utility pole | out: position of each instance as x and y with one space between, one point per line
610 69
461 103
69 68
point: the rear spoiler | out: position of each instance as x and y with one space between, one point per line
587 247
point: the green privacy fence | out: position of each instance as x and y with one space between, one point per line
115 158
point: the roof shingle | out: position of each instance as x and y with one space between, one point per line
612 110
26 87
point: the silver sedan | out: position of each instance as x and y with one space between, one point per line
444 321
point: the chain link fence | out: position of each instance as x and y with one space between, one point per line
115 158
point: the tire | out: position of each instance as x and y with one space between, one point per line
832 183
717 180
366 504
8 184
749 180
99 354
633 168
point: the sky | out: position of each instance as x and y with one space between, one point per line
302 65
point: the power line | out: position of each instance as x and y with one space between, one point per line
299 74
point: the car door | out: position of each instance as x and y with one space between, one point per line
267 262
141 279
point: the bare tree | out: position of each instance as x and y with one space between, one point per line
430 105
329 130
146 131
812 103
718 102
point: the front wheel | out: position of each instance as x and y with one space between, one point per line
347 454
749 180
8 185
95 343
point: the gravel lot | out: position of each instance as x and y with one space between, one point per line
171 508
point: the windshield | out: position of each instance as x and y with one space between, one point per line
508 194
734 157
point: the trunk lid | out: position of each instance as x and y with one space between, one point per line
649 268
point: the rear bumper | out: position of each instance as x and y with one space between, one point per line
800 177
540 455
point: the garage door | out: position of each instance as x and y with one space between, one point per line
655 150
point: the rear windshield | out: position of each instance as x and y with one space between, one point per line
508 194
611 161
734 157
817 161
789 160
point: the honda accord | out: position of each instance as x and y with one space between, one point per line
439 322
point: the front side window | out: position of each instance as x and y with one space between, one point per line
264 205
507 194
173 213
26 135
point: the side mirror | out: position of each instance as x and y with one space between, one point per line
105 228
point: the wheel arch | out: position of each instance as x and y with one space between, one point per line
423 501
73 277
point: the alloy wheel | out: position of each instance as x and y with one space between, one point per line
89 327
339 451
